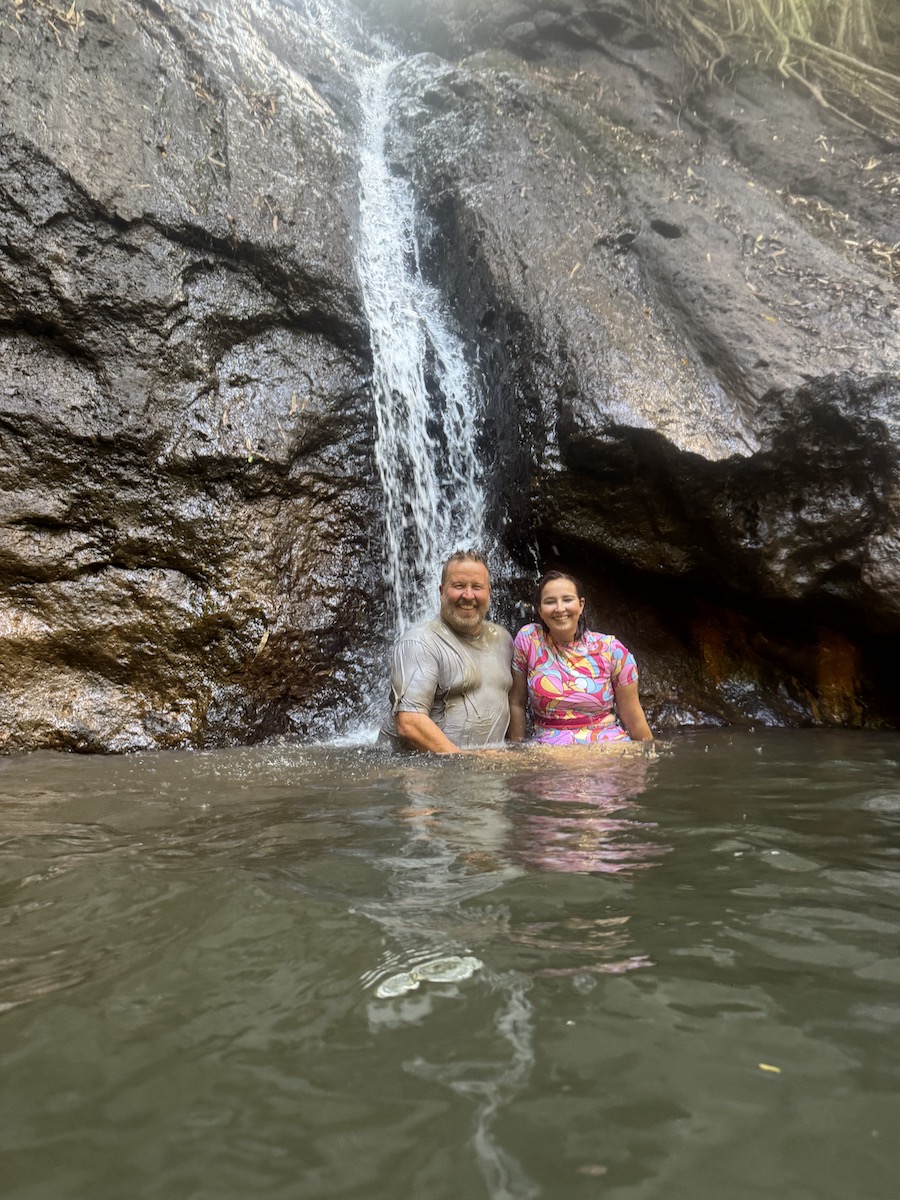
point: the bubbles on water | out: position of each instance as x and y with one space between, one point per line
452 969
584 983
449 970
397 985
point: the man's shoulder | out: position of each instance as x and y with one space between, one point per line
496 633
422 631
423 637
435 633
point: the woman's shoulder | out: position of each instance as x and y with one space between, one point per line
531 632
529 645
605 643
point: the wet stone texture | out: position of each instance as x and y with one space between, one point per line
683 303
185 485
687 313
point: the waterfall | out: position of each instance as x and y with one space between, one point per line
426 398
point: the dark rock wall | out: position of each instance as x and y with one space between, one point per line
185 479
683 302
687 310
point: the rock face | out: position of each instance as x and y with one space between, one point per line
684 312
689 315
186 496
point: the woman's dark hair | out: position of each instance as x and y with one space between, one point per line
581 628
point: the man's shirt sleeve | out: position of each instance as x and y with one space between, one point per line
414 677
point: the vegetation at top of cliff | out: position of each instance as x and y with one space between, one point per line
845 53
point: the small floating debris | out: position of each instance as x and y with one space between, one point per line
769 1067
439 970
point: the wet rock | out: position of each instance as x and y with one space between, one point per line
683 303
185 489
692 366
462 26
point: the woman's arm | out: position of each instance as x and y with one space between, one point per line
631 714
518 700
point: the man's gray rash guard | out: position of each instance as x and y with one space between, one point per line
461 683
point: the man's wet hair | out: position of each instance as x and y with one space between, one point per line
459 556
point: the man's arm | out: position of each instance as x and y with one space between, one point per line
415 675
421 733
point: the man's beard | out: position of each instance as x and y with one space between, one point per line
466 621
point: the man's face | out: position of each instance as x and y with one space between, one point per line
465 596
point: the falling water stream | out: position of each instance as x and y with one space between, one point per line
427 403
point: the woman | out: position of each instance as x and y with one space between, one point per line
573 680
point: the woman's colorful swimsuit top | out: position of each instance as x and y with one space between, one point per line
572 686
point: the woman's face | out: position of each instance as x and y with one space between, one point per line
560 608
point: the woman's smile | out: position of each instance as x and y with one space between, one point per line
560 609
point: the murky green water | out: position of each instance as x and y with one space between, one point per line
191 947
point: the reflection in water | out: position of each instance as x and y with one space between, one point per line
576 817
475 825
571 818
457 849
184 935
503 1173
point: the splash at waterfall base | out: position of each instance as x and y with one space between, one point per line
684 316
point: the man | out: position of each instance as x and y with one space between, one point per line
450 676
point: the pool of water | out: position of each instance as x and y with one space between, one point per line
686 979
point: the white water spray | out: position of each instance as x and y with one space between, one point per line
426 400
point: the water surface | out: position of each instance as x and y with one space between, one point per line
689 982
